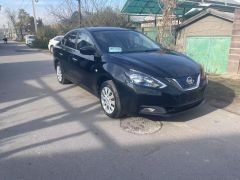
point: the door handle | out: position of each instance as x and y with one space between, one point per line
74 59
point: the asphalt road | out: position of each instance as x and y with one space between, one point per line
55 132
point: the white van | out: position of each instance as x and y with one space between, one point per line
29 39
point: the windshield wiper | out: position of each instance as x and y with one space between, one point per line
150 50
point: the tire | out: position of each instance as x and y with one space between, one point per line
60 74
110 100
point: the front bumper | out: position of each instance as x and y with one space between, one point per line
162 102
168 111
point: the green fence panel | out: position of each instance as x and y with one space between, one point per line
211 52
151 32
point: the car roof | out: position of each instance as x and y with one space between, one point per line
94 29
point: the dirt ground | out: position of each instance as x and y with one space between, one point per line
224 92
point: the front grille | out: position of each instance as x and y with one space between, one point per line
188 82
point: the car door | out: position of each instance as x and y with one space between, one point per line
67 53
87 66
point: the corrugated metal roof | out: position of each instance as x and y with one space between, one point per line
154 7
144 7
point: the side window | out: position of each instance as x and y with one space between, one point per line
83 40
70 40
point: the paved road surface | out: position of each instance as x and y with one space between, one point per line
50 131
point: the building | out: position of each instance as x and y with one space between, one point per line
206 37
208 31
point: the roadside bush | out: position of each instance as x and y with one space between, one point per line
105 17
43 36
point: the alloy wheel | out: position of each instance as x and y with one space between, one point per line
59 73
108 100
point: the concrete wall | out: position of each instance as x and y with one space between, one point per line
208 26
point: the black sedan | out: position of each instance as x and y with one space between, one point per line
130 73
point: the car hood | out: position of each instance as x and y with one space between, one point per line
169 64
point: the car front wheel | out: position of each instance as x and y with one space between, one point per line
60 74
110 100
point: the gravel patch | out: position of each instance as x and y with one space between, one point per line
140 125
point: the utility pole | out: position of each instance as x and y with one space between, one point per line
80 13
34 14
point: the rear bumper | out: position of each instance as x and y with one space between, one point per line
168 101
29 43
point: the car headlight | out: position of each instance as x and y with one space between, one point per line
145 80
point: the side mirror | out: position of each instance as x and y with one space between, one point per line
88 50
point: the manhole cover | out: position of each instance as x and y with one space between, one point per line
140 125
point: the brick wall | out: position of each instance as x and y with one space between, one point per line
234 55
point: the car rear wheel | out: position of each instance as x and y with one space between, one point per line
110 100
60 74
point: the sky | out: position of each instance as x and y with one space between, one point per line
41 8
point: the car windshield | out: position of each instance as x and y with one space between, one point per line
124 42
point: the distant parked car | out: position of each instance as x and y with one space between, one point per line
53 42
130 73
29 39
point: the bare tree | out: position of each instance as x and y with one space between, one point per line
106 17
64 10
67 8
23 20
94 13
12 17
166 28
94 6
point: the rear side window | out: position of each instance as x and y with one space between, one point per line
70 40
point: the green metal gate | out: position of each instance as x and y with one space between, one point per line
151 32
211 52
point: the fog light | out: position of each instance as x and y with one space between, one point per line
150 109
153 110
